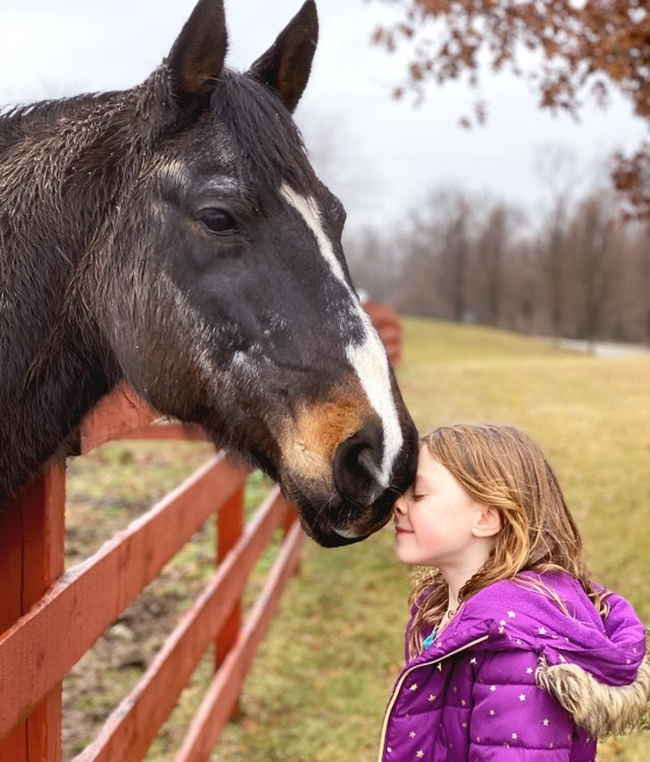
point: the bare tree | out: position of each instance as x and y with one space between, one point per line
448 216
584 272
592 236
494 265
645 278
375 262
555 166
638 289
336 151
584 49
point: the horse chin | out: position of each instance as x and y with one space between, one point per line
336 537
330 519
329 538
335 540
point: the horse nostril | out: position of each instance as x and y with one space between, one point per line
366 460
357 474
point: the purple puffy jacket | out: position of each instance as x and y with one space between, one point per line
513 679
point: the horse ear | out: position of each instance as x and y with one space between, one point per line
286 65
196 59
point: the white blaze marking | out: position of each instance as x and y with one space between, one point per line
348 533
368 358
174 171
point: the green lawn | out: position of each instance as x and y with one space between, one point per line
319 687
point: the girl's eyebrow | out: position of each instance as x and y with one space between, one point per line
421 481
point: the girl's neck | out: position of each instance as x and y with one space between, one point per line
460 570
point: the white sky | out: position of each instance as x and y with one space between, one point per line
379 155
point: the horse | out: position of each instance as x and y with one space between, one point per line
174 236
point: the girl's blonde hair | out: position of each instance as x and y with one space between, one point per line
501 466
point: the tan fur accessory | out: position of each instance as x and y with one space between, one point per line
598 708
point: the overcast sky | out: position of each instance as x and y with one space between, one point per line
379 155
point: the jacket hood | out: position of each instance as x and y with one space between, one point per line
594 667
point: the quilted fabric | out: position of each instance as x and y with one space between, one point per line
474 695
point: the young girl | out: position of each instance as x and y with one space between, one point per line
513 654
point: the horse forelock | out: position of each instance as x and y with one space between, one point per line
268 143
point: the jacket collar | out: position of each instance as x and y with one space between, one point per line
595 668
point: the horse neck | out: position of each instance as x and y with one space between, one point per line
54 367
51 375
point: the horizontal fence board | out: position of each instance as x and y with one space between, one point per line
226 686
41 648
133 725
114 416
180 431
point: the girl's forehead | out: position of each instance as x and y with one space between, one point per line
428 466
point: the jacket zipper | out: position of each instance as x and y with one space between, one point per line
398 688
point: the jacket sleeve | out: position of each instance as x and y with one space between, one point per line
511 719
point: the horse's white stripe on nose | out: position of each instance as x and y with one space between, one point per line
368 358
369 361
308 210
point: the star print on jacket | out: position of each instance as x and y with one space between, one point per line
516 674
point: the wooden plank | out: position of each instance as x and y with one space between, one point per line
226 686
14 745
31 559
11 562
41 648
290 518
132 726
44 564
230 525
113 417
183 431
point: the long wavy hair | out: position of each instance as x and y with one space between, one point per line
501 466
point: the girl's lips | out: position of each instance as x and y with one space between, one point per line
400 530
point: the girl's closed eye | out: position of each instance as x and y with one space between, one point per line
419 490
487 520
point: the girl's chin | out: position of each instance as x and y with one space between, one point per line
403 555
406 554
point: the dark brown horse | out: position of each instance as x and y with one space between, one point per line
175 236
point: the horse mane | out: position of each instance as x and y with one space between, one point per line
64 166
88 144
20 121
67 167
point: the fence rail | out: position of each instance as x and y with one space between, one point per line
49 619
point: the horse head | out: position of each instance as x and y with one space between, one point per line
215 280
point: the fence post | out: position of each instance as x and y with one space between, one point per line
32 540
290 517
230 525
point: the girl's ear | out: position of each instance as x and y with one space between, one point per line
488 522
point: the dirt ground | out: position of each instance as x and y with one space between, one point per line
106 491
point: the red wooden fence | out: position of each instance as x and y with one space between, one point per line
389 327
49 619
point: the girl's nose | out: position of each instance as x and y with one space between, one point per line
400 506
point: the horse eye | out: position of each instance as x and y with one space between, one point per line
218 220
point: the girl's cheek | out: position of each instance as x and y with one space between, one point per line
430 536
427 528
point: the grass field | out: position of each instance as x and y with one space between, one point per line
319 688
322 678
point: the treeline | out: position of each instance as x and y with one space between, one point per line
578 271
